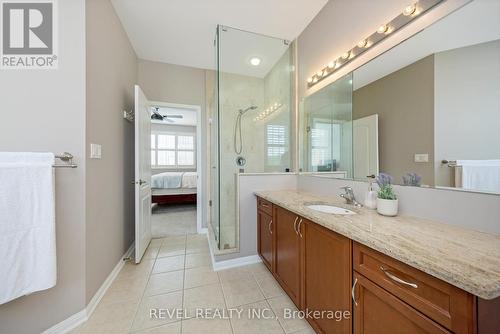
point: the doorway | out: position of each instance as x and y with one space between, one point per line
176 169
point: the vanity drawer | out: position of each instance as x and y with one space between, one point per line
444 303
265 206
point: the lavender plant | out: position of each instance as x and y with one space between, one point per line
385 191
412 179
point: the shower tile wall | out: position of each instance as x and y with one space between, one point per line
237 92
238 84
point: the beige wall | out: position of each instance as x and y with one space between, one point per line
111 75
163 82
404 102
44 111
467 106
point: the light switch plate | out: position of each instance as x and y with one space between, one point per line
95 151
421 157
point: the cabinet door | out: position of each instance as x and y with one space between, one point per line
265 238
378 311
327 277
288 253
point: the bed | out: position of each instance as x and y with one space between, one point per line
174 187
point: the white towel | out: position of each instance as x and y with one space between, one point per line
481 175
27 224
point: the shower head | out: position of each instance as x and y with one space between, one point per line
243 111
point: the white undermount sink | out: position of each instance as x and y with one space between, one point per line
326 208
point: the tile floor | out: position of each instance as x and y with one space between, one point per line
176 273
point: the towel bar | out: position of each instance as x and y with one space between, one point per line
66 157
450 163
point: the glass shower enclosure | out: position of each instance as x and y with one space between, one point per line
250 103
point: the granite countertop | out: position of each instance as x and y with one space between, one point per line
464 258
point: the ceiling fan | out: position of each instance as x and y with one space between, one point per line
159 117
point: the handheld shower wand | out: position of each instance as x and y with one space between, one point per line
238 145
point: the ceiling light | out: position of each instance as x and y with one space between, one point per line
410 10
309 80
255 61
346 55
331 64
319 74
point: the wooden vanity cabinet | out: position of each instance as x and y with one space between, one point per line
265 233
287 267
377 311
321 270
326 277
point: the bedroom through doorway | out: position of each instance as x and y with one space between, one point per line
176 169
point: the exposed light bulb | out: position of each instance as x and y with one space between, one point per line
410 10
383 29
346 55
309 80
319 74
363 43
331 64
315 80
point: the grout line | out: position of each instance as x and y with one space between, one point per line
225 301
184 282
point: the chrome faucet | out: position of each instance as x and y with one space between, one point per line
349 197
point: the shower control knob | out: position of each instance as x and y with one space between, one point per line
240 161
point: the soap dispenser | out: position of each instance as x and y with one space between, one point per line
371 196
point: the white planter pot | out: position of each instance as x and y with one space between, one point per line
387 207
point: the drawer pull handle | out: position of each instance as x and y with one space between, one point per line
298 227
397 279
269 227
353 291
295 225
264 204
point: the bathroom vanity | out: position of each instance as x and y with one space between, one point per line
393 275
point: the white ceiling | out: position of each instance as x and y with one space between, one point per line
238 47
182 31
188 116
475 23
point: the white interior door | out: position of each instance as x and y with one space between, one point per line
365 142
142 174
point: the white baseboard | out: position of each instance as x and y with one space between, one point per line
107 283
79 318
238 262
68 324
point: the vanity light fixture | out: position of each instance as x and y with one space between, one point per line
410 10
384 29
363 44
269 111
409 13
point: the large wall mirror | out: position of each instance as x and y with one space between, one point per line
427 111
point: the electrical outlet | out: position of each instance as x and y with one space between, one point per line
95 151
422 157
